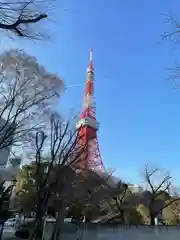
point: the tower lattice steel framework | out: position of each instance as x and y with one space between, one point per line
88 126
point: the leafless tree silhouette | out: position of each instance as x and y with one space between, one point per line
27 93
174 33
159 191
64 152
21 16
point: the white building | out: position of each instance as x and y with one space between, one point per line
135 188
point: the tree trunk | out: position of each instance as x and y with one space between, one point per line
59 222
152 219
38 228
1 230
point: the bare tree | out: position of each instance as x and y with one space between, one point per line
21 16
120 203
63 151
158 195
27 95
117 202
174 33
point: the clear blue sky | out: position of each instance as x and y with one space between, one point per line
137 107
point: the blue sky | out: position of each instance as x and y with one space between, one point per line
137 107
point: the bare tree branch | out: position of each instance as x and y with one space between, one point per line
159 185
174 33
27 95
64 152
17 16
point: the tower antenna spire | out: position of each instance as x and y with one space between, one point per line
90 58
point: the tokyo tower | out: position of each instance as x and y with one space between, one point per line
88 126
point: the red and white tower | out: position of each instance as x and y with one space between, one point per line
87 126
